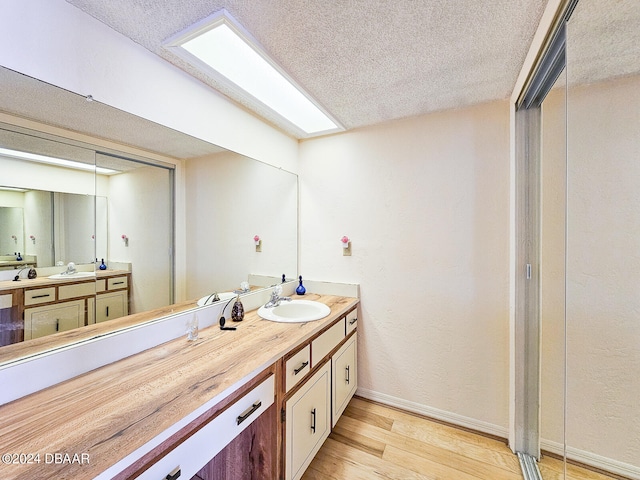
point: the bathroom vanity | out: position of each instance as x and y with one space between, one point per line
257 402
34 308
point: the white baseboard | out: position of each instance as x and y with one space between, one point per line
443 415
593 460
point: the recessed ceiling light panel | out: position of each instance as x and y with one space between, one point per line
219 47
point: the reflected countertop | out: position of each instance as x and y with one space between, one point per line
46 281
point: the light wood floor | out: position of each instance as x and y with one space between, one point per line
371 441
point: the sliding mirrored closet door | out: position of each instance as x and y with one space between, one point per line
603 236
578 151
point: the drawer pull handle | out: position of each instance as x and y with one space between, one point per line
347 378
300 368
118 283
313 421
57 324
174 474
248 412
353 320
107 312
42 296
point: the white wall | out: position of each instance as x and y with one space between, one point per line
39 223
35 220
56 42
11 222
139 208
74 229
10 198
426 204
230 199
40 176
602 275
603 271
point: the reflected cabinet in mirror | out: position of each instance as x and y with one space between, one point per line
71 271
97 224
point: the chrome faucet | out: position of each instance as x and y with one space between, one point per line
275 299
71 269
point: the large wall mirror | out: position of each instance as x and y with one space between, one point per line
118 206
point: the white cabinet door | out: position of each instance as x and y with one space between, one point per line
41 321
308 422
345 376
111 305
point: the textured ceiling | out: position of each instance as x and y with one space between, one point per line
596 50
365 61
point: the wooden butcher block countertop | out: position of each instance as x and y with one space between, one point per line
112 411
46 281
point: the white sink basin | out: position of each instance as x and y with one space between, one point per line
62 276
295 311
208 299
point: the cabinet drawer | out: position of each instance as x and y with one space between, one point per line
195 452
345 376
78 290
117 282
326 342
101 285
39 295
6 301
352 321
297 367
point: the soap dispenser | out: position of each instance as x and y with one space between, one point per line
301 290
102 265
19 257
237 311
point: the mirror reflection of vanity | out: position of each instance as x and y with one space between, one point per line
51 236
123 208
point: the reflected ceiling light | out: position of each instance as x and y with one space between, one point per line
221 48
34 157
